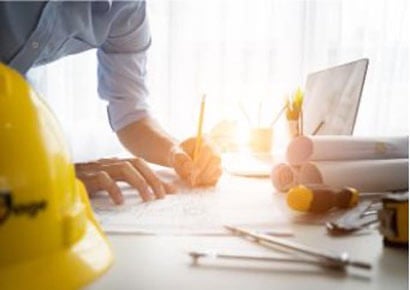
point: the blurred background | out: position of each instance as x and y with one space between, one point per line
247 56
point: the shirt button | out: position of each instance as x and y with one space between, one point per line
35 44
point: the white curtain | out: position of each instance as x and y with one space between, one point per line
246 55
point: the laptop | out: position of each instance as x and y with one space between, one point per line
331 102
332 98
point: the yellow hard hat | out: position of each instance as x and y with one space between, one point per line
49 238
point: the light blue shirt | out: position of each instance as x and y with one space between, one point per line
36 33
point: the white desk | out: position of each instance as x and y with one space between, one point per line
161 262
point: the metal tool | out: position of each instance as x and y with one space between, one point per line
360 217
196 255
338 260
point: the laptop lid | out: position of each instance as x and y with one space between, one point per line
332 98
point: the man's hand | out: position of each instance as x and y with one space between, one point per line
103 174
156 146
206 170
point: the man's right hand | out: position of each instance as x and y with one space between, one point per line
204 171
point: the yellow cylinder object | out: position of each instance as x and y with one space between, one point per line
49 238
299 198
354 199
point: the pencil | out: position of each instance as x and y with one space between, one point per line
199 132
318 128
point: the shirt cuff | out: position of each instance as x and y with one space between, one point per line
122 114
121 81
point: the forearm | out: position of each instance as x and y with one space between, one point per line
148 140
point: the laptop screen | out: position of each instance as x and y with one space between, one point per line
332 98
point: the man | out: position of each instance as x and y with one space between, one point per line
36 33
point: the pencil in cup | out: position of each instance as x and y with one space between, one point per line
198 141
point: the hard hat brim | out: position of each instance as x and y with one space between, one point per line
70 268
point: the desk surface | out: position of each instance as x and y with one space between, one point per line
162 262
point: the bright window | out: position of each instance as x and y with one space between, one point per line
243 54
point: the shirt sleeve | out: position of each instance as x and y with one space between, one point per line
122 66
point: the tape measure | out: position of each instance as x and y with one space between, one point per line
394 220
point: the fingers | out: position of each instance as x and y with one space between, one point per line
124 171
154 182
211 173
170 188
204 158
183 164
103 174
161 188
207 167
189 146
100 180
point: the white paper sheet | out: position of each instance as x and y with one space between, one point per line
239 201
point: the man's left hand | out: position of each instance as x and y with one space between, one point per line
104 173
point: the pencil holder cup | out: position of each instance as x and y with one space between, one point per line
294 128
260 140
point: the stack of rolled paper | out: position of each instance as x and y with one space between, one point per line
369 164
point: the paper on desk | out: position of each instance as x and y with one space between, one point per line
239 201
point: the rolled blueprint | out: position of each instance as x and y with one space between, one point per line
364 175
284 176
317 148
